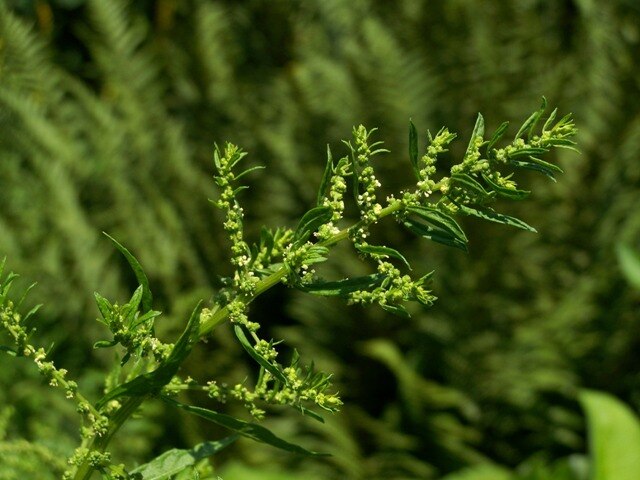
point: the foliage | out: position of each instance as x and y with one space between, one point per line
284 256
141 90
614 432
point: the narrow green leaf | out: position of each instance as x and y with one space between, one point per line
248 171
550 120
343 287
129 310
513 194
183 346
216 158
31 313
440 220
535 167
310 222
493 216
526 152
6 284
538 165
544 164
471 184
147 298
434 234
497 135
478 131
530 123
270 367
246 429
614 437
150 315
398 310
311 414
175 461
326 176
629 261
104 344
380 251
413 149
425 278
239 189
104 306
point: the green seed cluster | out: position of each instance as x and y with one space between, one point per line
395 290
225 162
367 183
335 199
427 166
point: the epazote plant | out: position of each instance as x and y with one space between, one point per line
149 368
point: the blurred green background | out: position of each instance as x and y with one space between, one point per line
109 111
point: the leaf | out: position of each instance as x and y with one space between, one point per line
538 165
530 123
497 135
526 152
478 131
175 460
629 261
493 216
440 220
471 184
343 287
147 298
513 194
104 344
183 346
31 313
310 413
550 120
398 310
614 437
434 234
248 170
326 176
247 429
316 254
104 306
270 367
413 148
309 223
380 251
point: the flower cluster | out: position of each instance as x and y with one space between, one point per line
427 165
131 329
301 386
394 290
335 198
366 182
240 252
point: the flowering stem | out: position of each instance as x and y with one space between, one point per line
276 277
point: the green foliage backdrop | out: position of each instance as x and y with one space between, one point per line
108 115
